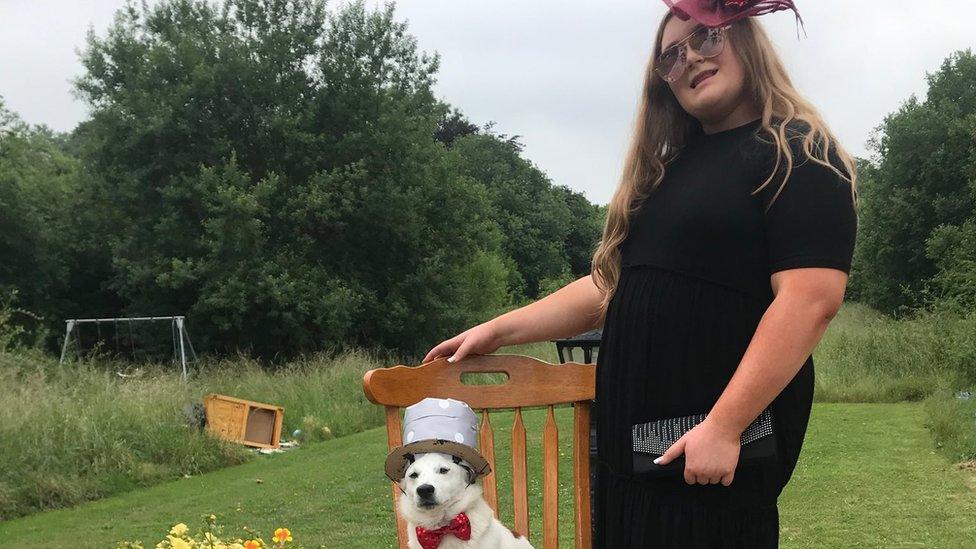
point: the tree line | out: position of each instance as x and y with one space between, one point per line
916 248
284 176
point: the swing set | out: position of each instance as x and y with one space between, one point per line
182 348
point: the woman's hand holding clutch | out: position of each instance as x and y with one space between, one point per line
711 453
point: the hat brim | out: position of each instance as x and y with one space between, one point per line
396 462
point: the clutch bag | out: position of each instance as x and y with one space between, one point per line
653 438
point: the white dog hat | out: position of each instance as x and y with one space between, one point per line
440 425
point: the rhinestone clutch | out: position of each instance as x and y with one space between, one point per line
652 439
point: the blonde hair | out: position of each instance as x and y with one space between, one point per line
663 127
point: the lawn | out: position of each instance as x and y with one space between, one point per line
85 433
868 477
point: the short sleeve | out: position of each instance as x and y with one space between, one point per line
813 221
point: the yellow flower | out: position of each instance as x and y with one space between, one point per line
252 544
282 534
179 530
177 543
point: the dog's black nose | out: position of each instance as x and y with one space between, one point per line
425 490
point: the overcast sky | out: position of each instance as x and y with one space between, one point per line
566 74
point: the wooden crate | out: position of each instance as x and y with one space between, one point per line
245 421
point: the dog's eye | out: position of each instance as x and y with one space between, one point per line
414 475
443 470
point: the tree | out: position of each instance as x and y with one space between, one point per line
534 220
452 126
37 180
927 150
271 169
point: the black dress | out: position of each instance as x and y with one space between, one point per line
694 284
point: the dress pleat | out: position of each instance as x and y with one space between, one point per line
645 372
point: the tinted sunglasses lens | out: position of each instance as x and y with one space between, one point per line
708 42
671 64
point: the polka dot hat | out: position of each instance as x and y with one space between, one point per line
440 425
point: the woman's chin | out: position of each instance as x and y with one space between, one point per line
702 106
710 97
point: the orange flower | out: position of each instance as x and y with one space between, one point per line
282 535
252 544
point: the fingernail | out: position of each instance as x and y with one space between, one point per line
657 460
451 359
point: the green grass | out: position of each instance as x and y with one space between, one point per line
867 357
83 433
952 422
80 432
868 477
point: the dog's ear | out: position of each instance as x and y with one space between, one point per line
409 458
472 476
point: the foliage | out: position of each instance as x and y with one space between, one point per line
867 475
283 176
866 356
950 419
548 232
918 203
953 250
13 333
102 434
37 178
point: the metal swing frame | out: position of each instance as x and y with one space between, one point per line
181 339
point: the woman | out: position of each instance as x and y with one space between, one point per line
724 256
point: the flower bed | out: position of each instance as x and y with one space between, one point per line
210 536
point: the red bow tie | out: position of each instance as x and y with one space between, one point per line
459 527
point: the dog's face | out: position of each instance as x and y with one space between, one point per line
434 479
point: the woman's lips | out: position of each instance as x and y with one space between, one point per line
701 77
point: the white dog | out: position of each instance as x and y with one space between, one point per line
437 489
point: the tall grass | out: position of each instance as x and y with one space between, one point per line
952 421
867 357
79 431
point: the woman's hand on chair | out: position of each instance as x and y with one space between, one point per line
482 339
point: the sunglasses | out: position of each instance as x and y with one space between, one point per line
707 41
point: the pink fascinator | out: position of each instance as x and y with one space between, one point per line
717 13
